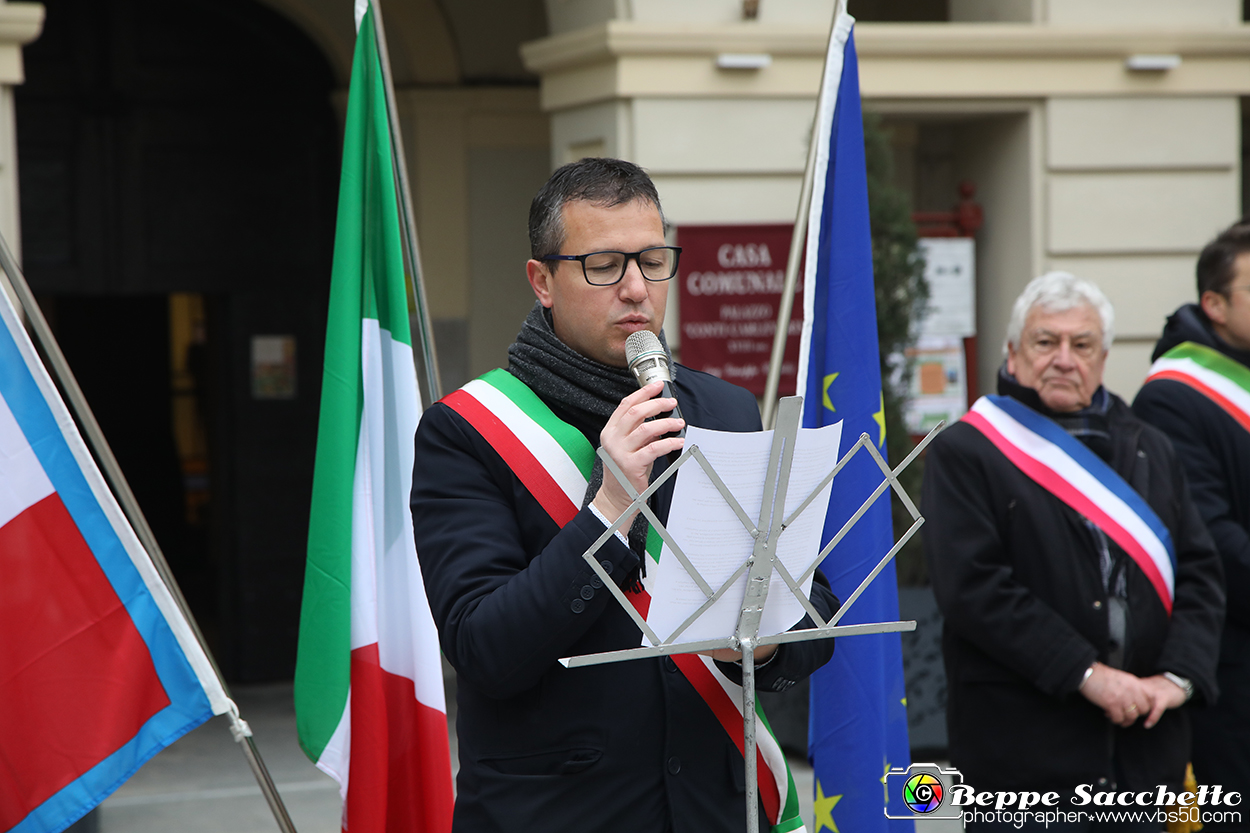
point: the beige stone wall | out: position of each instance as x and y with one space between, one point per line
1136 186
1140 12
476 157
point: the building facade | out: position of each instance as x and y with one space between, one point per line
168 172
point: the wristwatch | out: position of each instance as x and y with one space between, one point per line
1184 684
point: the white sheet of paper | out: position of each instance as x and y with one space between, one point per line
712 536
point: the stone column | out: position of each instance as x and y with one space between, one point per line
20 23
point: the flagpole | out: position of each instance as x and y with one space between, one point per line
797 242
416 287
64 377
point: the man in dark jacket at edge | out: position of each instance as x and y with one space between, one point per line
629 746
1214 448
1064 667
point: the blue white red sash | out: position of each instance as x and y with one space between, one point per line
1063 466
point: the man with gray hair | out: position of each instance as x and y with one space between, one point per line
1081 592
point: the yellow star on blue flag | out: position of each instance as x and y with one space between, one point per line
879 418
825 388
824 809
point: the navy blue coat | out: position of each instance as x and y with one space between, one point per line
1017 576
622 747
1215 451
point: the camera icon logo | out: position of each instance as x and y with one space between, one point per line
921 791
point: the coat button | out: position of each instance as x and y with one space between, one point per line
577 606
674 765
588 592
669 665
607 566
1098 604
596 582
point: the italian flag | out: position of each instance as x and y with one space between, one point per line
368 679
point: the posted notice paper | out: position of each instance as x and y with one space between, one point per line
712 536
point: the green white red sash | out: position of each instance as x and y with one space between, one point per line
554 461
1063 466
1222 380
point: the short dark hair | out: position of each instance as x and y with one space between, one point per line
603 182
1216 263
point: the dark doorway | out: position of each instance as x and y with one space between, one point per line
178 166
118 347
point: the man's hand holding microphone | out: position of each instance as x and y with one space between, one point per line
634 437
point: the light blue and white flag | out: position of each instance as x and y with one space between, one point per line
99 670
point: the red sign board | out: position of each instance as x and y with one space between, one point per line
731 282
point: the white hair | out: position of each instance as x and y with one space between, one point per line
1058 292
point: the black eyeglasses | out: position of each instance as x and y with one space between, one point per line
659 263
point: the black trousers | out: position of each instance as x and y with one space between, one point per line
1221 745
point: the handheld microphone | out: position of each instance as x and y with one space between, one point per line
649 363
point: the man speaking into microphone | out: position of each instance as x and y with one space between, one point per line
508 493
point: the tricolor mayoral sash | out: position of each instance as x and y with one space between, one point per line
1063 466
1222 380
554 461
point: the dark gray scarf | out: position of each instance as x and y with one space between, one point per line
555 371
588 390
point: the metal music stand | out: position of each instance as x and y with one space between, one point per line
758 567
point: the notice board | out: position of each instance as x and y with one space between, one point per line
730 287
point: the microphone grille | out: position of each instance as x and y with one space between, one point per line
641 343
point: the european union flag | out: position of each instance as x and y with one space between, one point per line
858 727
